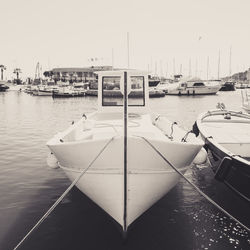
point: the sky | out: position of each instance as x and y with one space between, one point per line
165 37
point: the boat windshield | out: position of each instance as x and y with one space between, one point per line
198 84
112 91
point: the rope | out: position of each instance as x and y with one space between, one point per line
196 188
62 196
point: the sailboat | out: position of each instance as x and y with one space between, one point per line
229 85
128 155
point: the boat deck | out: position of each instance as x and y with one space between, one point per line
233 134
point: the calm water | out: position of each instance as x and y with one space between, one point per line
28 187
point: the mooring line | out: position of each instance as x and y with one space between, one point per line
196 188
62 196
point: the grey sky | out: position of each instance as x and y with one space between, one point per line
60 33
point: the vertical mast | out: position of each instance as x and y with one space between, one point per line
174 66
219 66
125 154
125 145
230 58
207 66
112 59
190 73
128 47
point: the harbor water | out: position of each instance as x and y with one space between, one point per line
182 219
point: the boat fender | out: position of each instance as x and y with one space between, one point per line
179 93
52 161
188 92
201 157
193 92
195 129
223 169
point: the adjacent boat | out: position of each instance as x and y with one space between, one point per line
193 86
227 138
119 147
245 101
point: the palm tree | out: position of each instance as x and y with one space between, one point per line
17 71
2 67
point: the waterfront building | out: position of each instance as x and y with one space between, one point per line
78 74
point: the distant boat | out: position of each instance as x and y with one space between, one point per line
68 91
193 86
129 175
3 86
228 86
227 137
153 81
240 85
45 90
156 92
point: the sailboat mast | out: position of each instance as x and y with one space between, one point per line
189 67
128 47
112 59
207 66
219 66
230 58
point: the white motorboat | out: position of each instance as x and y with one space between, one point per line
194 87
46 90
120 148
227 137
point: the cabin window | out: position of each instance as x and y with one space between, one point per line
198 84
112 94
136 97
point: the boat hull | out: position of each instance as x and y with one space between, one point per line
236 176
149 177
194 91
